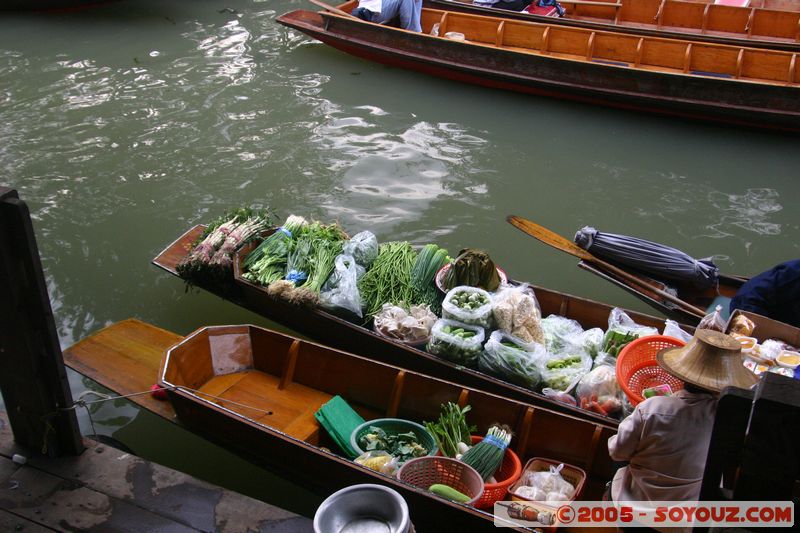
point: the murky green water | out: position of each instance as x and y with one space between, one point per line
124 124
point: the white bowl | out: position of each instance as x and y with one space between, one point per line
787 353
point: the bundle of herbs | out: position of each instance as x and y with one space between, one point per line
429 260
309 262
389 279
210 262
451 431
267 262
487 456
474 268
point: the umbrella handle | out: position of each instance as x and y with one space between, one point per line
557 241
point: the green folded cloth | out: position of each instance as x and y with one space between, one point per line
339 420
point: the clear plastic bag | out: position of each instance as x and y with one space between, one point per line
341 289
713 320
592 340
550 485
470 305
379 461
516 311
363 247
562 334
672 329
559 396
562 371
512 359
622 330
598 391
448 341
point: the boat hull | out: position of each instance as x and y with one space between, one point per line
346 335
694 97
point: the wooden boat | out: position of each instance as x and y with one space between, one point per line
225 379
259 389
707 81
343 334
761 27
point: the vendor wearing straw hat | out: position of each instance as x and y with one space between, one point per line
665 440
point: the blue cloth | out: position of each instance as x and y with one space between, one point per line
774 294
409 11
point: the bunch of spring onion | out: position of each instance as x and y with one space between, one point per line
267 262
487 456
389 278
429 260
211 259
451 432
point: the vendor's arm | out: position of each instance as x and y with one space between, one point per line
623 445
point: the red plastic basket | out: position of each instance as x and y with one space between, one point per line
637 368
425 471
509 471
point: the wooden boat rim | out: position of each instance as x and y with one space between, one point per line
162 370
578 61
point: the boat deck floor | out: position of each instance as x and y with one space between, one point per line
260 397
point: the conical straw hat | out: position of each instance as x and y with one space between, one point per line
711 360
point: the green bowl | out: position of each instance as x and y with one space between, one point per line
393 426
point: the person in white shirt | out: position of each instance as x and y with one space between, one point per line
665 440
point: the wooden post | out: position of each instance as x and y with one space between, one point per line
33 379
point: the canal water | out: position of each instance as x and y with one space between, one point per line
125 123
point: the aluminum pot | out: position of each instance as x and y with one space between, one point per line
368 508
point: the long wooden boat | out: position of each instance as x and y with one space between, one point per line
343 334
223 380
759 27
722 293
261 389
703 81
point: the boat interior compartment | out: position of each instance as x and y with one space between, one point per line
279 382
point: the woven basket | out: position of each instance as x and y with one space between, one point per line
509 471
637 368
574 475
423 472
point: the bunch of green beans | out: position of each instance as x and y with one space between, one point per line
389 278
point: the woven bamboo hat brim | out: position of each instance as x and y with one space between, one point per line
711 360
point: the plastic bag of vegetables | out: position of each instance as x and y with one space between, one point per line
599 391
562 371
516 311
512 359
470 305
457 342
341 289
562 334
622 330
363 247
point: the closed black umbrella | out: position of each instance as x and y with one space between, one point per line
656 259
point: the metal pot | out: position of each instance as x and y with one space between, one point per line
363 508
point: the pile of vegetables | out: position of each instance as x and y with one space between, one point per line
267 262
404 446
451 432
210 262
487 456
429 260
389 279
474 268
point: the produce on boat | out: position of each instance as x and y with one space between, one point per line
211 258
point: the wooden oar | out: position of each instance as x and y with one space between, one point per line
557 241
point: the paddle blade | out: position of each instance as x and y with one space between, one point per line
548 237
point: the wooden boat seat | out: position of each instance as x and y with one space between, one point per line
257 395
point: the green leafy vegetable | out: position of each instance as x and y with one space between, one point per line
451 428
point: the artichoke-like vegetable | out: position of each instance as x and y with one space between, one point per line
474 268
